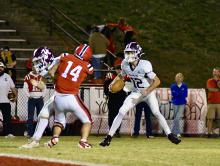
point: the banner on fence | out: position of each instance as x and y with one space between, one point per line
192 123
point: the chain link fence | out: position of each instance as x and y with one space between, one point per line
193 121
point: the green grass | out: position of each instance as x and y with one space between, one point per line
126 151
177 36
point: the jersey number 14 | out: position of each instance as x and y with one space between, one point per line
74 72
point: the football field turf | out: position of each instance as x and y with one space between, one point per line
125 151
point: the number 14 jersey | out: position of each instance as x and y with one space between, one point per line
71 72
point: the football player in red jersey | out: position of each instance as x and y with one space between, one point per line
70 73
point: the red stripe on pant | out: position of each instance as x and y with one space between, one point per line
84 108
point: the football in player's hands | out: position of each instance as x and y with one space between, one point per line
117 86
11 96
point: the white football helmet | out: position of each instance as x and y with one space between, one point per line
132 52
42 59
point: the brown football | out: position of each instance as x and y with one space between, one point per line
11 96
117 86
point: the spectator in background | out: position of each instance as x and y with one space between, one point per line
179 92
213 87
9 59
6 85
147 113
99 43
115 100
111 47
125 28
34 89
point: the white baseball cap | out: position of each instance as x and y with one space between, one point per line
2 64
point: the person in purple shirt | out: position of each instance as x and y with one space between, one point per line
179 92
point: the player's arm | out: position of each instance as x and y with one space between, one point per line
155 83
53 70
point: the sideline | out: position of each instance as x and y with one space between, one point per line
50 161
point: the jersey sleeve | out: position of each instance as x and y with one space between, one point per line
148 70
56 61
90 69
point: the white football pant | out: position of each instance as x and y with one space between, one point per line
133 99
70 103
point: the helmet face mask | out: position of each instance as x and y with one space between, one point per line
132 52
130 56
42 59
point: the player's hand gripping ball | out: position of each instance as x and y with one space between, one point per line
11 96
117 86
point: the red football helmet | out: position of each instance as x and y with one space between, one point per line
83 52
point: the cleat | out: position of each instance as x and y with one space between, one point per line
106 141
30 145
52 142
84 145
173 138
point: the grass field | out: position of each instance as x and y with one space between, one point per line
126 151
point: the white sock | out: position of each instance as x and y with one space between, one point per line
40 128
116 123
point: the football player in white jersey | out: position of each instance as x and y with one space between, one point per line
43 60
145 81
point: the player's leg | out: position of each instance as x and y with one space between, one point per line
59 120
57 129
153 104
42 123
82 112
129 103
